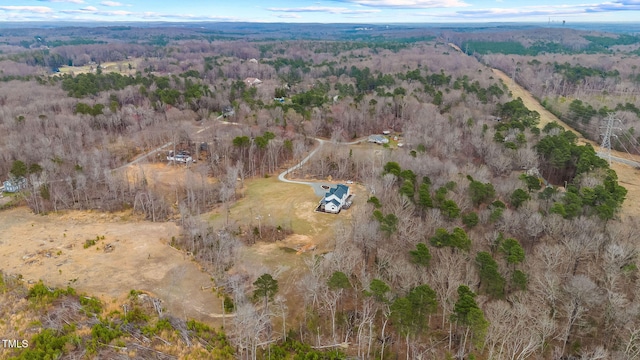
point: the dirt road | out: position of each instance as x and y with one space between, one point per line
531 102
628 176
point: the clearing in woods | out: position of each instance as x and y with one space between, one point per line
121 67
135 254
271 203
129 253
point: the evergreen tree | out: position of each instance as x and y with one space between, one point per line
518 197
18 169
424 197
421 255
490 278
512 250
467 313
338 280
265 287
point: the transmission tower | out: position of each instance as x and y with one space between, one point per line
605 147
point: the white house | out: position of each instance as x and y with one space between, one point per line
252 81
335 199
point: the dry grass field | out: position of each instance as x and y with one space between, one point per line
129 253
121 67
269 202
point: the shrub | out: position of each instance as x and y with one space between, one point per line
90 305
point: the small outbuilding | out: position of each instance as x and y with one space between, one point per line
378 139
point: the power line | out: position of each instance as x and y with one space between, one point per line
605 147
631 142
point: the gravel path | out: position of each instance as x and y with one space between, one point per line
316 185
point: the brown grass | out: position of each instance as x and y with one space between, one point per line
290 206
50 247
121 67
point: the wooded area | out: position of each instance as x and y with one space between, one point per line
482 234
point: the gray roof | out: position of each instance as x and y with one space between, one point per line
338 191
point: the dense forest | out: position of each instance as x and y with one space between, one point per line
486 234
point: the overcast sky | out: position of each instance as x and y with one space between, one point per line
324 11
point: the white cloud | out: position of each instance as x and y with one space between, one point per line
116 13
28 9
111 3
64 1
85 10
289 16
326 9
541 11
149 15
409 4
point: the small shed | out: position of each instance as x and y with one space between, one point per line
378 139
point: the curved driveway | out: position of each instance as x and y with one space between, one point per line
317 185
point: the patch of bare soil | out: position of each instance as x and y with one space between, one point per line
127 254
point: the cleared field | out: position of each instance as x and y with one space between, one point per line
269 202
129 253
121 67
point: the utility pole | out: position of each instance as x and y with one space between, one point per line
605 147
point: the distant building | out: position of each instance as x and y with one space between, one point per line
14 185
181 157
228 111
252 81
335 199
378 139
